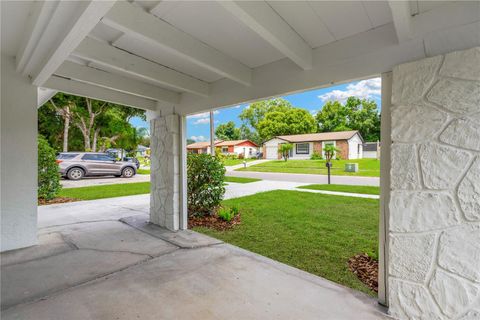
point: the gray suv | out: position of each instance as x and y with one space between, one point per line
76 165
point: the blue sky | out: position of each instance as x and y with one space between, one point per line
198 127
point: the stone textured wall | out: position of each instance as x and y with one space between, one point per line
165 173
434 225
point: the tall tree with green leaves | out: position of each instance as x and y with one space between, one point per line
227 131
290 121
355 114
255 112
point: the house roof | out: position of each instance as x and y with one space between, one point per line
233 143
323 136
201 145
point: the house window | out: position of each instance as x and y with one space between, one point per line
224 149
250 151
302 148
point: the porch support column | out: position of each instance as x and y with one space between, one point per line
434 207
18 158
168 181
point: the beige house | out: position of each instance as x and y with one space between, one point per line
349 144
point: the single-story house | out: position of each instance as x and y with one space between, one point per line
371 150
350 144
246 147
142 151
200 147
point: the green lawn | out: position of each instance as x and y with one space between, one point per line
143 171
106 191
122 189
314 232
240 179
367 167
233 162
343 188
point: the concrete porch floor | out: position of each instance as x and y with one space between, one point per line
100 260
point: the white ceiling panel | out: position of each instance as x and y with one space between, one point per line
161 56
211 23
300 16
132 76
378 12
13 13
342 18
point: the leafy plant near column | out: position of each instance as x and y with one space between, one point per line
48 175
284 150
205 183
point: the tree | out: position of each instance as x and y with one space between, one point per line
255 112
190 141
228 131
290 121
284 149
329 151
65 108
355 114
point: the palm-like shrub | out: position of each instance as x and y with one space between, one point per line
284 150
48 175
205 183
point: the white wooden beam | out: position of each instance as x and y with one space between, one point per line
263 20
105 54
116 82
402 19
40 15
87 18
135 21
99 93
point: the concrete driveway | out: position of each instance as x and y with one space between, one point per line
306 178
91 265
96 181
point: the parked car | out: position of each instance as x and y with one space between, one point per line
76 165
132 159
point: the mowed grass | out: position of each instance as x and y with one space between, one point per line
122 189
343 188
233 162
367 167
143 171
313 232
241 180
106 191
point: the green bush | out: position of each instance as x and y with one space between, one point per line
316 156
205 176
225 214
228 214
48 175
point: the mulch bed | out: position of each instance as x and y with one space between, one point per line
366 269
42 202
213 222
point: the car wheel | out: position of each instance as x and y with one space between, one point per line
75 174
128 172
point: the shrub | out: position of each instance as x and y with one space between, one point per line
48 175
225 214
205 176
241 156
316 156
234 210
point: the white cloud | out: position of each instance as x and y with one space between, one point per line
365 89
198 138
202 121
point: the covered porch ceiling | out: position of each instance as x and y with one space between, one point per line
199 55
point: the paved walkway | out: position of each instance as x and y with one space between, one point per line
307 178
91 265
96 181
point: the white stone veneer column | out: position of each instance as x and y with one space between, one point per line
434 226
165 171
